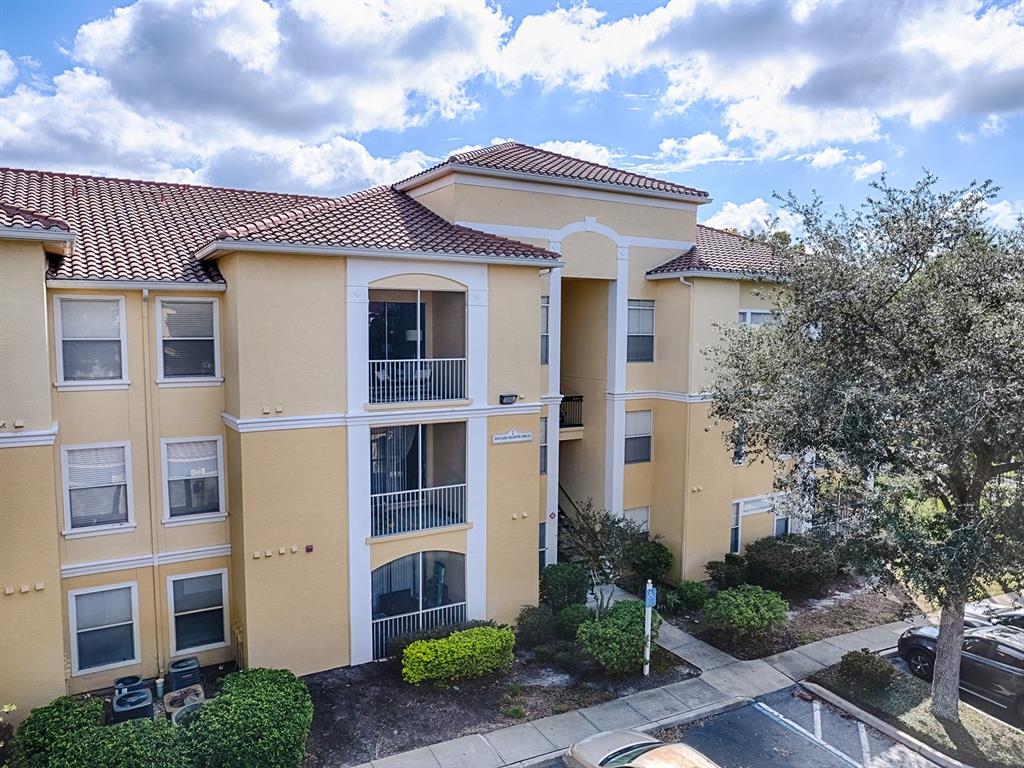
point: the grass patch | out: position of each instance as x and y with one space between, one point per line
979 740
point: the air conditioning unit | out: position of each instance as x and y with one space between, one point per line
133 705
127 684
183 673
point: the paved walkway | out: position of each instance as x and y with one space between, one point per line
724 680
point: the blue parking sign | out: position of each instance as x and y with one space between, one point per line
651 597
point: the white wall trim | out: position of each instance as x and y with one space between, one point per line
360 591
272 423
34 233
660 394
683 274
29 438
136 285
589 224
476 507
143 561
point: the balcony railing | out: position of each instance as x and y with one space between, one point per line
393 626
405 511
412 381
570 413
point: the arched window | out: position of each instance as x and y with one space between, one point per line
419 591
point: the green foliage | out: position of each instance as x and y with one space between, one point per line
866 669
5 732
648 559
568 621
514 711
563 654
730 572
396 645
616 640
744 613
143 743
469 653
52 729
535 625
794 564
668 600
692 594
261 717
563 584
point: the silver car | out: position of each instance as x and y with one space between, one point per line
633 749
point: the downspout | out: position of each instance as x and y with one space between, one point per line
148 382
689 421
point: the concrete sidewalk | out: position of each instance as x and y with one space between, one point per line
724 680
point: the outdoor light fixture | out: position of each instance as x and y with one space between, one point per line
507 399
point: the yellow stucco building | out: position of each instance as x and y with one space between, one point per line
281 429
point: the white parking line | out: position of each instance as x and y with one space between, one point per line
865 747
817 719
793 726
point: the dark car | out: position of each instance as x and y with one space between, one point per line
992 665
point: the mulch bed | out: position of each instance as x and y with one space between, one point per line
367 712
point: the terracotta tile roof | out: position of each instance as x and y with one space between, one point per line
718 251
522 159
22 218
378 218
151 231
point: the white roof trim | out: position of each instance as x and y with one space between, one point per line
34 233
721 274
152 285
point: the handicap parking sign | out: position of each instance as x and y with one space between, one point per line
651 597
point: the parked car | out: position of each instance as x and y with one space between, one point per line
991 667
988 612
633 749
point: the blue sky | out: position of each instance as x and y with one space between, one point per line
742 99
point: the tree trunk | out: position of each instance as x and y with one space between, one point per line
946 679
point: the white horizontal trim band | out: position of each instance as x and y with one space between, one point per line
718 275
271 423
659 394
144 561
137 285
32 233
28 439
557 235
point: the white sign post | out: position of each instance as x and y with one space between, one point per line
650 600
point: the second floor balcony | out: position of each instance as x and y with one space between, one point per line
417 346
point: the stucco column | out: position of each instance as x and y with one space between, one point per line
477 451
476 345
615 419
553 400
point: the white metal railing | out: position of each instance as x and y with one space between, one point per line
410 381
393 626
404 511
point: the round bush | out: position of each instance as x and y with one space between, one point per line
535 625
745 612
649 559
261 717
692 594
569 619
563 584
792 564
143 743
730 572
867 669
470 653
616 641
54 728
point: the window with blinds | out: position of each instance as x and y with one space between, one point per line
543 445
188 332
97 486
192 469
103 628
91 345
640 331
545 338
197 611
638 436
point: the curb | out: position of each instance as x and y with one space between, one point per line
937 757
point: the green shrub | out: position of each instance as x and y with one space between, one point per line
730 572
745 613
616 641
792 564
649 559
469 653
568 621
535 625
51 729
561 653
396 645
668 600
692 594
563 584
261 717
143 743
866 669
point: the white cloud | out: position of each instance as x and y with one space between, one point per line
1005 213
826 158
677 155
754 216
993 125
866 170
585 150
8 69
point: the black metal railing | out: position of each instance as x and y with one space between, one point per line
570 414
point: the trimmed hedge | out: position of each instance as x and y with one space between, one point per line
261 717
730 572
569 619
692 594
396 645
745 613
470 653
793 564
867 670
535 625
616 640
648 559
53 729
143 743
563 584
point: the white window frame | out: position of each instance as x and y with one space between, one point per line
652 334
175 650
748 315
749 505
90 384
73 626
545 309
645 525
206 517
544 444
775 521
97 530
187 381
650 455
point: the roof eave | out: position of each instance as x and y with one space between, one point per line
135 285
719 274
211 251
604 186
59 240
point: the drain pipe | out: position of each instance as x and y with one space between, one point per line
148 383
